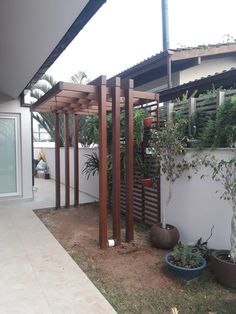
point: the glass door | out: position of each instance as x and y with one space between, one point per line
9 155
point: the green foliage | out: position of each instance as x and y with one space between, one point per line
47 119
167 144
223 171
178 118
226 124
198 121
91 166
139 115
79 77
207 138
185 96
90 133
220 131
185 256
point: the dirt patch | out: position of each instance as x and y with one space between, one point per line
137 265
133 277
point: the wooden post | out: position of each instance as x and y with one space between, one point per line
129 152
67 162
116 159
220 98
158 170
170 109
192 108
57 162
76 161
102 163
169 71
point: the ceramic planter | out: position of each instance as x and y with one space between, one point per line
224 270
186 274
164 238
148 122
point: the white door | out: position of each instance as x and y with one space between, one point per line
9 155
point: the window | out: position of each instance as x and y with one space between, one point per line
9 155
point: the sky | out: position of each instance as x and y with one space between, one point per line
125 32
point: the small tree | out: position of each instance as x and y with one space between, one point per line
225 172
167 145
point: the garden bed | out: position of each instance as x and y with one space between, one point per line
133 277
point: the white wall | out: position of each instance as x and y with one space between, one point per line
195 207
90 186
8 105
207 67
160 84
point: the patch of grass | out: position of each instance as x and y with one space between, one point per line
202 295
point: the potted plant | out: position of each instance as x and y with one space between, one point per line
147 181
224 261
167 144
185 262
139 116
148 121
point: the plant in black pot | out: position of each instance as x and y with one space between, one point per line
167 145
185 262
224 261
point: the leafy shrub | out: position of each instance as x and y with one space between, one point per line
220 131
185 256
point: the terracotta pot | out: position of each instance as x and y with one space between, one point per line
147 182
164 238
224 270
148 122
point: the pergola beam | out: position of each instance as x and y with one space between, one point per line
76 161
129 154
116 181
102 162
67 162
99 98
57 162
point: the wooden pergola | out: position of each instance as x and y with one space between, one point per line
99 97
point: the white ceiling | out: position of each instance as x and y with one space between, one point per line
29 32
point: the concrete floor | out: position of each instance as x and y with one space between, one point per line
37 275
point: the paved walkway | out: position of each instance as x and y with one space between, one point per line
36 273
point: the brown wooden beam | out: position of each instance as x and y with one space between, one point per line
102 164
67 162
148 96
116 159
129 153
76 161
57 162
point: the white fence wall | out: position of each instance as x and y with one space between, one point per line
195 206
90 186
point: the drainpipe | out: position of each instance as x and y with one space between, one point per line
165 24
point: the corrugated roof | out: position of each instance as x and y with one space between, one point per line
180 54
224 79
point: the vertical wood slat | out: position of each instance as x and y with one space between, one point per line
129 152
116 159
158 170
57 162
102 163
67 162
76 161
